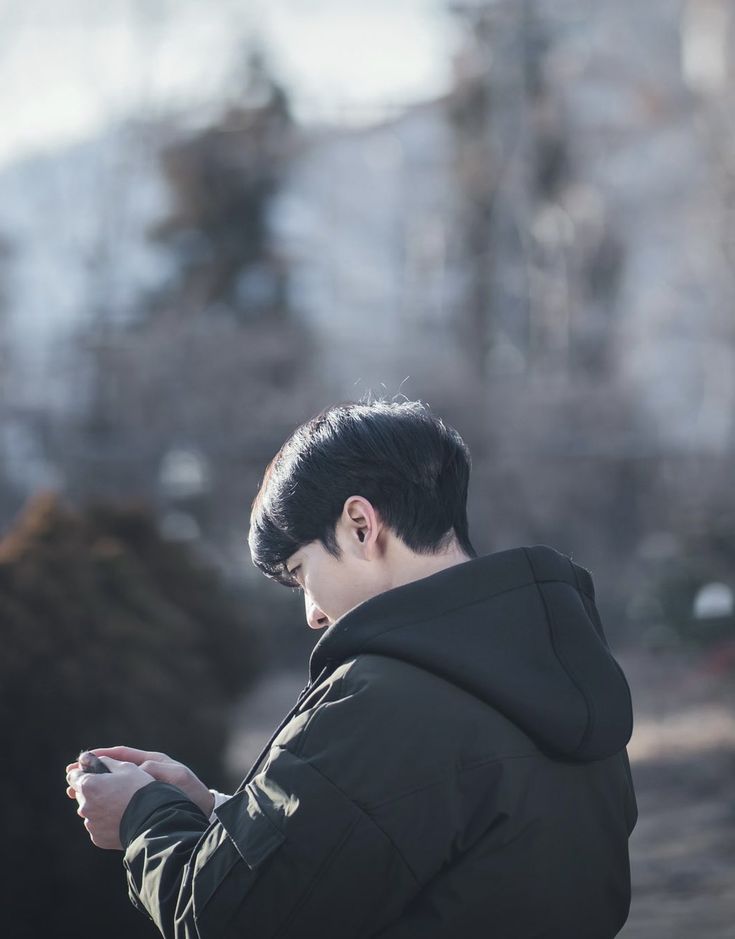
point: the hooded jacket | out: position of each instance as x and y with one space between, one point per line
455 767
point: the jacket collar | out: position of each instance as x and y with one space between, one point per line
431 597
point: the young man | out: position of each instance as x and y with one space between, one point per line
456 765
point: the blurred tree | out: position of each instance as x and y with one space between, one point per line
225 391
7 378
213 364
694 548
223 179
542 259
6 361
541 255
110 636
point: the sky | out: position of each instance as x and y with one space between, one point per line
68 68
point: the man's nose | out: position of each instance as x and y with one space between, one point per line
314 616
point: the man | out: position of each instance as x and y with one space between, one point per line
456 765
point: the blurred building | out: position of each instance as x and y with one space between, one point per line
460 225
563 212
647 89
367 223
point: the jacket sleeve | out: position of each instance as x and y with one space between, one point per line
290 855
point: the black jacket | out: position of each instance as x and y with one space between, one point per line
456 767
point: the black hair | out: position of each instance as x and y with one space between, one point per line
411 467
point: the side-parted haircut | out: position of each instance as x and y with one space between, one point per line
411 467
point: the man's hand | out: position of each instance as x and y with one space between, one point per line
163 768
104 797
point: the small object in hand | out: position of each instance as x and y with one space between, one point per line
90 763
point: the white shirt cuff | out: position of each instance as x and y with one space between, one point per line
219 798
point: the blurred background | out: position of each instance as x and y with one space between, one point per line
218 218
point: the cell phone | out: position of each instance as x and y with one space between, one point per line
90 763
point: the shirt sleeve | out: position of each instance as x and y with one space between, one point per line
219 798
289 855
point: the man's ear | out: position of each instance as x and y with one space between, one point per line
362 524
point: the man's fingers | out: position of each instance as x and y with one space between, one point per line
160 769
128 754
72 777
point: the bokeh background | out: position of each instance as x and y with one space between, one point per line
218 218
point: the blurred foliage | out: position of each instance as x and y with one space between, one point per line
696 549
110 636
223 179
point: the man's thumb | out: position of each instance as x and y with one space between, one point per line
112 765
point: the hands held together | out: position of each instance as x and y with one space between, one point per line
104 797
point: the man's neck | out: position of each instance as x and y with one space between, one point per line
410 566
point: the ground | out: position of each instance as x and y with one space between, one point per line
683 762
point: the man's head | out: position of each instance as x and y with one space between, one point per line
361 498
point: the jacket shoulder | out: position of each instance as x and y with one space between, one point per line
380 726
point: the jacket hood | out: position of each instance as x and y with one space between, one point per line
519 629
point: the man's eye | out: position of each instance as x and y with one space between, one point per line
293 571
